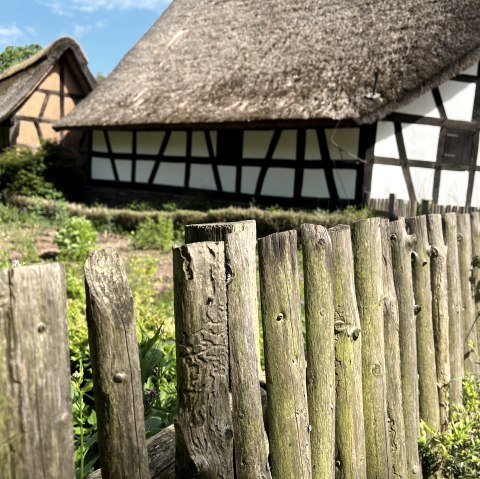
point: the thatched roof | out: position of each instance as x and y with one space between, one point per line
20 80
218 61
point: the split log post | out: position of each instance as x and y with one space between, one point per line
320 338
402 249
465 256
368 270
439 287
457 369
349 426
391 321
250 440
285 366
203 428
117 380
427 371
475 224
36 431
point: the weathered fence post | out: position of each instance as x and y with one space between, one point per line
349 427
439 285
427 371
284 357
467 306
402 249
204 431
320 338
396 423
116 367
36 431
250 440
475 223
457 370
368 270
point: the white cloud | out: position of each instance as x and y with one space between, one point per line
68 7
9 34
82 30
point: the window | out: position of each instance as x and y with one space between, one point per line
458 146
4 130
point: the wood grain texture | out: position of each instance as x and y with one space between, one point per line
349 426
203 428
402 249
467 310
427 371
391 321
439 285
455 326
475 227
284 357
161 455
320 339
250 440
36 431
116 367
368 271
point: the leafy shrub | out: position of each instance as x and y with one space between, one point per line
154 234
75 238
456 451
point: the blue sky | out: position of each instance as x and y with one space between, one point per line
105 29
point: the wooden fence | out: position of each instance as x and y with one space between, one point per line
389 331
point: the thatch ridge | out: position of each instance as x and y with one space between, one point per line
240 61
20 80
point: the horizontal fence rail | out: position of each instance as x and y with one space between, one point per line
380 338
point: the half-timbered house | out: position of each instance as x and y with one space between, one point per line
298 103
38 92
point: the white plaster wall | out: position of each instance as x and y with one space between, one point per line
345 181
171 174
102 169
422 106
387 179
228 175
385 140
149 142
279 182
121 141
421 141
312 149
177 144
453 188
256 143
473 70
347 140
143 170
98 142
249 179
287 146
314 184
201 177
199 144
458 99
422 179
476 190
124 169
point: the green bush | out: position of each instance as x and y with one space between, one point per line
75 238
154 234
456 451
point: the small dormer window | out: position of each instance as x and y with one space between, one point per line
458 146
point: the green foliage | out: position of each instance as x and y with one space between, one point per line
12 55
75 238
456 451
22 172
154 234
